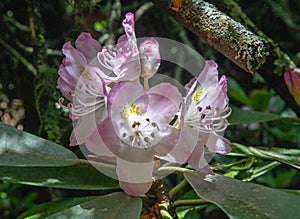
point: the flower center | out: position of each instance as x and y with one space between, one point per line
207 118
86 74
139 130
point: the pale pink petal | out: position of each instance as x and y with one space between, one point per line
135 178
164 99
128 24
135 189
168 142
123 94
121 64
101 140
69 77
86 125
218 144
150 57
209 75
88 46
198 162
292 80
65 88
73 57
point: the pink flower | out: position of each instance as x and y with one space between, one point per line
81 85
127 62
136 130
292 80
202 118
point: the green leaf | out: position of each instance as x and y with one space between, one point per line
184 212
18 148
81 175
115 205
259 99
49 208
239 117
236 92
283 155
244 200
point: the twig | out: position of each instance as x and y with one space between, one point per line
22 59
249 51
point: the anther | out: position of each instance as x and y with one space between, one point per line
199 108
154 124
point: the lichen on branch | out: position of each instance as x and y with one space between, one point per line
252 52
229 37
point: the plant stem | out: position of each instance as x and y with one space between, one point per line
186 202
22 59
171 169
177 188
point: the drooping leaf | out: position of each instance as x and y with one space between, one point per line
244 200
115 205
283 155
81 175
239 117
45 209
18 148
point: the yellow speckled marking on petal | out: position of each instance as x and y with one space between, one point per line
86 74
133 110
197 94
124 113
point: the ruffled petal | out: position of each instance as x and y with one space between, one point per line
65 88
69 77
208 77
74 58
164 99
120 64
88 46
128 24
218 144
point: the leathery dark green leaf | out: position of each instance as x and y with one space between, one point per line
244 200
19 148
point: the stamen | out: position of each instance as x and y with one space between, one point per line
61 103
154 124
131 138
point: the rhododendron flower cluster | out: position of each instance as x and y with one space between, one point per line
120 119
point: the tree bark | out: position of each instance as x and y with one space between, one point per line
249 51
